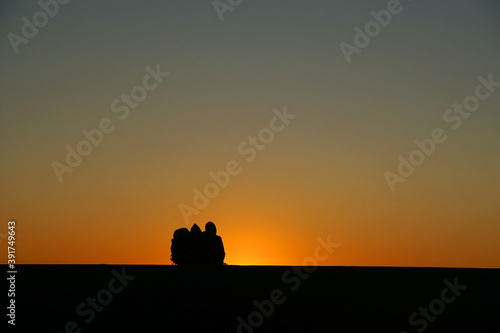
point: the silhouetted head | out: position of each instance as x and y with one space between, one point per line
210 228
195 229
180 233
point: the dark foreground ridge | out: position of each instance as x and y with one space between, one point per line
117 298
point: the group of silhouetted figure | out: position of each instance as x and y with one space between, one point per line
197 248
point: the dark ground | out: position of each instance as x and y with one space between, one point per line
210 299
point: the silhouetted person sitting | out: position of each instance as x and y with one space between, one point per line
196 251
186 246
197 248
180 246
212 244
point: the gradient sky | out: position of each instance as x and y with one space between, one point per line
323 175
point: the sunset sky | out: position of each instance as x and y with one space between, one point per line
323 173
